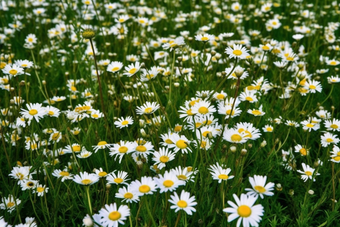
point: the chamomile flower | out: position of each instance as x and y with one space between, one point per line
120 149
219 173
234 136
180 143
143 149
132 69
168 182
162 157
127 195
259 186
309 126
100 172
256 112
13 70
28 184
40 189
124 122
335 154
183 202
184 173
63 174
248 95
313 86
120 178
332 125
110 216
203 108
307 173
245 210
237 51
146 186
101 145
34 110
204 37
301 149
114 67
85 178
147 108
9 203
21 173
268 128
52 111
84 153
329 138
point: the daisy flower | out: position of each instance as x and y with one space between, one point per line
52 111
28 184
85 178
132 69
309 126
204 37
144 148
219 173
110 216
237 51
302 150
180 143
183 202
332 125
329 138
114 67
249 130
34 110
84 153
162 157
120 178
166 139
220 96
63 174
235 73
335 154
184 173
146 186
234 136
21 173
248 95
101 145
245 210
168 182
127 195
259 186
256 112
9 203
13 70
40 189
313 86
124 122
203 108
268 128
307 172
100 172
147 108
174 43
120 149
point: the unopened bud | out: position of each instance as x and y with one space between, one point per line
233 149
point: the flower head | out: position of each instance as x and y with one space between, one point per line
183 202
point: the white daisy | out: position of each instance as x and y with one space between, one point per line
183 202
259 186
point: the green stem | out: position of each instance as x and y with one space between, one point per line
149 212
87 189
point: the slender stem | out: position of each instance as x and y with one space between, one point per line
35 212
333 184
149 212
178 218
87 189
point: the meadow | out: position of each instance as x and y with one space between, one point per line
169 113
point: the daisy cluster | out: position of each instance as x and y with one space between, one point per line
106 106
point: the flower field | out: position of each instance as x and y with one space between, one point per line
169 113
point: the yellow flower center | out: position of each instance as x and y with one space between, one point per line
269 129
244 211
141 148
229 111
178 128
182 177
73 88
76 148
164 159
182 204
204 38
236 138
334 126
203 110
128 195
148 110
115 69
189 112
332 63
50 113
10 204
181 144
168 141
102 143
144 188
308 173
289 58
205 134
256 112
132 71
55 136
260 189
33 112
40 189
237 52
64 173
102 174
125 122
13 72
114 216
95 115
168 183
329 140
86 181
250 99
220 96
118 180
337 158
223 176
123 149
